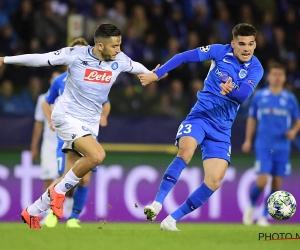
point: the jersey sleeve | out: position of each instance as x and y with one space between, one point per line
210 52
124 63
254 76
39 114
64 56
52 93
253 106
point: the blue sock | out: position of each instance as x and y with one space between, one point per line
254 194
170 178
265 212
195 200
80 197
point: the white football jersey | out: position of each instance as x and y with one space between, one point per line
48 134
88 83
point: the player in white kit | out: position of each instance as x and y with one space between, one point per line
91 73
49 142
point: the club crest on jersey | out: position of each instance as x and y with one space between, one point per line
93 75
205 48
242 73
114 66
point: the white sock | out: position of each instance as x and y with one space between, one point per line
157 205
67 183
40 205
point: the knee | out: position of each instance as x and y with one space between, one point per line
261 182
186 154
213 182
97 158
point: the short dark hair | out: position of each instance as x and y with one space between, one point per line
276 65
106 31
244 29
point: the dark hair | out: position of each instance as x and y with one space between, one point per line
78 41
276 65
244 29
106 31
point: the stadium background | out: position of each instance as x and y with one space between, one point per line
143 122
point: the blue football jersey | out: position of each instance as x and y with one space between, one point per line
275 115
57 88
216 107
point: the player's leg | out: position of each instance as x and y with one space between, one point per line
214 170
188 137
281 168
93 155
263 167
80 198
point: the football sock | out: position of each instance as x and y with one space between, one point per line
80 197
265 212
67 183
195 200
40 205
254 194
170 178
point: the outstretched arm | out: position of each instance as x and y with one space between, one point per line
59 57
189 56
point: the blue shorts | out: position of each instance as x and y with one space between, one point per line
273 163
61 158
213 143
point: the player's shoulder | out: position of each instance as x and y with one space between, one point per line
256 64
121 57
288 95
262 92
218 49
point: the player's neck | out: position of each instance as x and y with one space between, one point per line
97 54
275 90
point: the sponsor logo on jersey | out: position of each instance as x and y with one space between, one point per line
250 81
224 78
114 66
205 48
93 75
242 73
274 111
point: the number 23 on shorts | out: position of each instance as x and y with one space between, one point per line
184 129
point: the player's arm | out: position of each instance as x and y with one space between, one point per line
190 56
59 57
291 134
247 85
37 129
47 111
36 136
251 125
105 112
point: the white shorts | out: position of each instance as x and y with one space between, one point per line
69 129
48 160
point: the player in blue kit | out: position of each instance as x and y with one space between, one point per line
81 192
232 78
274 113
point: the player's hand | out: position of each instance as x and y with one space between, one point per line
246 147
291 134
51 126
1 61
103 121
147 78
34 154
226 87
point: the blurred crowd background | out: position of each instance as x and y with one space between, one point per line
153 31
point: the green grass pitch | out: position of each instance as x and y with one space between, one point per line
144 236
